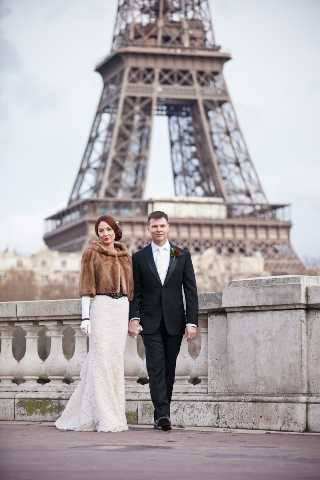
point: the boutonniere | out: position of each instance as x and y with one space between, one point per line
175 252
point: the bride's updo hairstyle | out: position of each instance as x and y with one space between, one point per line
114 224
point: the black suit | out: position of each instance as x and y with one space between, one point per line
163 317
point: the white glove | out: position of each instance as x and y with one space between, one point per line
85 307
85 326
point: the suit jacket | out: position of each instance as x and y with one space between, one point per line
153 301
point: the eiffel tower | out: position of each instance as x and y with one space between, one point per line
165 61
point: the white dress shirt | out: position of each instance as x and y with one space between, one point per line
161 256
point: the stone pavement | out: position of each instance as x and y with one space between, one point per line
34 451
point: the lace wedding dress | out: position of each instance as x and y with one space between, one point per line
98 402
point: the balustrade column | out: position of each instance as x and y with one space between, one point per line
8 364
142 355
134 364
198 349
55 366
30 367
80 351
184 363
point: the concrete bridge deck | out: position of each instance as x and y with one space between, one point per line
37 450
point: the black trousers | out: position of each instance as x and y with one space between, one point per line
162 350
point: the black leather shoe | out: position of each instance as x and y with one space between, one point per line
162 423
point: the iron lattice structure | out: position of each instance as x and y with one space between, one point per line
163 23
165 61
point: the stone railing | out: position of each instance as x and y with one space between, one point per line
42 346
255 364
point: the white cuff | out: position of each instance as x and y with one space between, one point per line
85 307
85 326
135 318
191 325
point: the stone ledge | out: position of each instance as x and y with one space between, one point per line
313 417
244 415
206 411
210 301
7 410
249 415
38 408
49 308
35 309
8 310
275 292
181 397
313 295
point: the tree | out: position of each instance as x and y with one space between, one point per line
53 290
18 285
312 265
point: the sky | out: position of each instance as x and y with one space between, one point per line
49 93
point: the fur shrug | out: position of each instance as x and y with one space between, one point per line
105 272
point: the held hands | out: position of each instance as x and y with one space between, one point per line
85 326
134 328
190 332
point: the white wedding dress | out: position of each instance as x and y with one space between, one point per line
98 402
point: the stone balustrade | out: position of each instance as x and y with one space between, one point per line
47 337
255 363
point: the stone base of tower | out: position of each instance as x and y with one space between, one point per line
200 224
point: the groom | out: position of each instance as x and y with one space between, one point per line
161 270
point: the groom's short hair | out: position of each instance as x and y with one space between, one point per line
156 215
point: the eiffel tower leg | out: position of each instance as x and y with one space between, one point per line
196 161
95 157
126 172
237 170
116 157
191 153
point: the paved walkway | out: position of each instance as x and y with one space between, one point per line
34 451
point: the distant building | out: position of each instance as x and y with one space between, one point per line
52 268
47 265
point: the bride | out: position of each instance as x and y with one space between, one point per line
106 285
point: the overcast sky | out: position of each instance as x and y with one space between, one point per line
49 93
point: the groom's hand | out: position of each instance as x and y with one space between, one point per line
191 332
134 328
